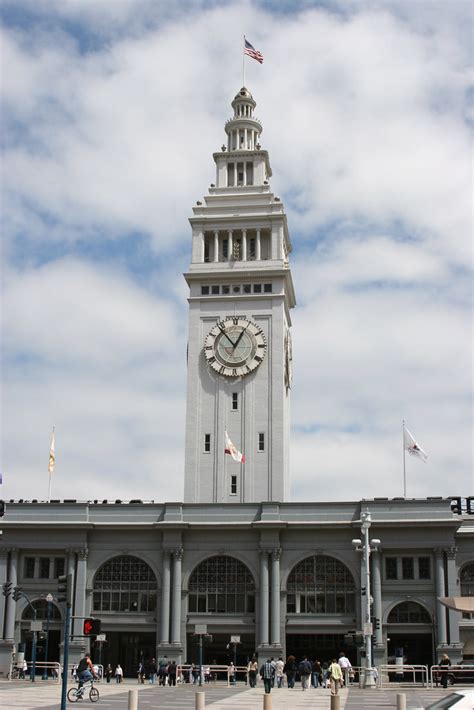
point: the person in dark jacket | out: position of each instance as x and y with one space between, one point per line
290 671
446 662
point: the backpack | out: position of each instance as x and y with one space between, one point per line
304 668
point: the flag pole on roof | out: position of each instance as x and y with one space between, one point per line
51 463
414 449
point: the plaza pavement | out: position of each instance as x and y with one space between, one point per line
24 695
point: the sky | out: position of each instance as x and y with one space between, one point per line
111 112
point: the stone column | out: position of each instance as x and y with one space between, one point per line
244 245
10 602
80 590
258 246
275 630
377 596
264 598
229 246
216 246
440 592
165 599
453 616
176 601
3 579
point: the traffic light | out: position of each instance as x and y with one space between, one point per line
65 588
17 592
2 508
7 588
92 627
377 623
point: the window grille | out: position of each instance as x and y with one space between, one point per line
221 585
320 585
125 584
409 613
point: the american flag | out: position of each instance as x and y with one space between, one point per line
252 52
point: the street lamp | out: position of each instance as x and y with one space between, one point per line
49 599
365 548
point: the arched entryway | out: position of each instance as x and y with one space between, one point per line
48 639
410 633
221 594
320 606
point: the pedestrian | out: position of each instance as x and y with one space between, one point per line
252 669
346 667
108 673
267 673
290 671
162 670
231 674
118 673
141 672
335 676
151 670
316 674
445 662
172 673
279 666
304 668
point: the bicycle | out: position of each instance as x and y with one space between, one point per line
75 694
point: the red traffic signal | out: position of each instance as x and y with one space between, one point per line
91 627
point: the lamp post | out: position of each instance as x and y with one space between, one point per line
49 599
365 548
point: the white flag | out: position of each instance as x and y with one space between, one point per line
411 446
52 455
232 450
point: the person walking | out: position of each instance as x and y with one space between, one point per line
316 674
445 662
290 671
108 673
172 673
162 670
252 669
267 674
279 666
304 669
346 667
335 676
118 673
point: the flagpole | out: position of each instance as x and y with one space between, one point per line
404 463
50 468
243 65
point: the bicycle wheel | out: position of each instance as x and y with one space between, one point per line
72 695
93 695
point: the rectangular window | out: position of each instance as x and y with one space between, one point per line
391 571
235 401
408 568
236 289
29 568
226 290
247 288
215 290
249 167
225 248
240 173
44 567
257 288
206 251
261 441
267 288
207 443
424 568
233 485
251 245
204 290
230 174
58 566
290 604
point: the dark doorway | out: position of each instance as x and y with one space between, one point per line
53 647
417 648
221 650
126 648
321 647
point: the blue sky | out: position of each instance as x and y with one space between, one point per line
112 111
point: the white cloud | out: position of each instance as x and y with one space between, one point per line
109 141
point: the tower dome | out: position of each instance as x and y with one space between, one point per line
243 130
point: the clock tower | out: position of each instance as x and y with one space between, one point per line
239 350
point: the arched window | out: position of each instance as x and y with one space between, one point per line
41 606
320 585
409 613
125 584
467 585
221 585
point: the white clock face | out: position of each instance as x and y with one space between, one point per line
235 347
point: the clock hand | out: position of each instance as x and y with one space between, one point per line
240 337
230 341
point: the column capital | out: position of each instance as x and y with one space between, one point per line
82 553
177 553
451 552
276 554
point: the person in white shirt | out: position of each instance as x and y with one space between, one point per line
346 667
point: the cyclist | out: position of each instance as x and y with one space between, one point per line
85 670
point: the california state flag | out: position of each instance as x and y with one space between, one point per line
232 450
411 445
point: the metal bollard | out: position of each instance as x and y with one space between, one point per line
267 702
401 701
335 702
200 700
133 700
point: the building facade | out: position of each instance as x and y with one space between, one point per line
235 555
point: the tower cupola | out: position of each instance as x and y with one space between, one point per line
243 130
